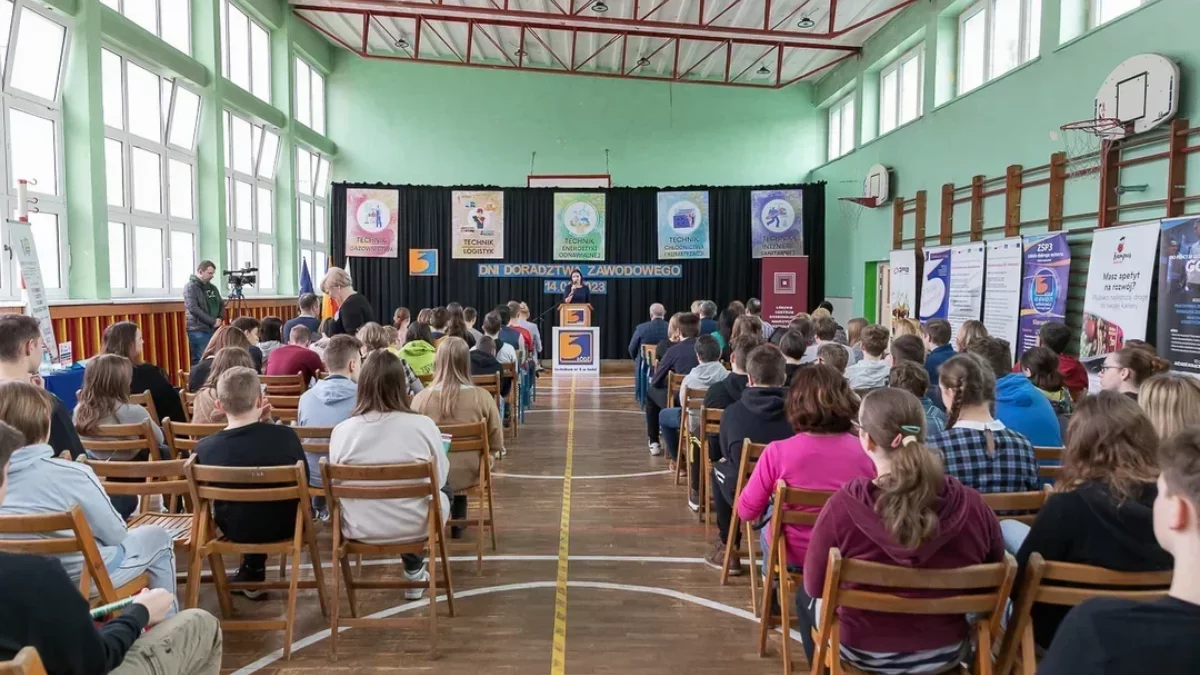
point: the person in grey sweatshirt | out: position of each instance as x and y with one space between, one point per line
39 483
330 402
872 372
203 305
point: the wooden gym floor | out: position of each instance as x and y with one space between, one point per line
617 550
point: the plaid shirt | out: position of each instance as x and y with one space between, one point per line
1013 467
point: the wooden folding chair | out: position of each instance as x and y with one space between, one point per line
142 479
283 385
1067 584
710 425
750 454
182 437
674 384
182 377
62 533
252 484
490 384
807 505
1049 461
138 437
978 589
684 460
1019 506
188 400
415 481
286 409
510 370
145 400
26 662
473 438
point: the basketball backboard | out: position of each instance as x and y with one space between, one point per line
1140 94
877 184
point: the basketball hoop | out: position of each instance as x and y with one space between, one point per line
1088 142
851 209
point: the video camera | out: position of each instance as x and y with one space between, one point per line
239 278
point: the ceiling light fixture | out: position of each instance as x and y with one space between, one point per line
401 43
642 62
805 22
520 53
600 7
763 70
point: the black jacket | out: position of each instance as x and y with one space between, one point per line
726 392
486 364
41 607
650 332
760 416
62 430
352 315
149 377
679 359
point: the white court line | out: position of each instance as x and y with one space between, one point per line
586 388
584 410
532 585
666 560
610 475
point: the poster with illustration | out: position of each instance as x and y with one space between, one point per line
1179 294
935 284
1002 305
372 223
777 223
1043 286
682 225
579 226
478 224
966 284
902 266
1117 298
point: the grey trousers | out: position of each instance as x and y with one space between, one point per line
188 643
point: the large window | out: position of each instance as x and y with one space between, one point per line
1103 11
150 127
312 209
900 90
310 97
168 19
245 51
251 157
995 36
33 52
841 127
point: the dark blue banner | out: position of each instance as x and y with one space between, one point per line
540 271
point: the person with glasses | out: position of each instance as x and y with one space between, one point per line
1124 371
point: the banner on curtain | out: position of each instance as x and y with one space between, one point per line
1002 306
935 286
478 224
1043 286
540 271
579 226
422 262
776 223
1118 288
966 284
1179 294
559 286
902 265
372 223
682 225
784 288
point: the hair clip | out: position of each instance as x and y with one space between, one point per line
910 428
897 441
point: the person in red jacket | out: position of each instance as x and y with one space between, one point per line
1057 337
911 515
295 357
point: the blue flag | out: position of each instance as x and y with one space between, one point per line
305 279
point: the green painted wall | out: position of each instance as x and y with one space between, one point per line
418 123
1007 121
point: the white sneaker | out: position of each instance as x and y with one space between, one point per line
421 575
655 449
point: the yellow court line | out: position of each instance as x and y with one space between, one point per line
558 654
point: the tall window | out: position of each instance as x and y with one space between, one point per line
251 157
841 127
1103 11
150 170
900 90
995 36
312 209
168 19
310 97
33 52
245 51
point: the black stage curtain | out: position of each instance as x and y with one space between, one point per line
729 274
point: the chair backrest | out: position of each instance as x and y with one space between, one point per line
471 437
750 453
490 384
149 478
695 398
145 400
314 439
1019 506
283 385
1049 461
345 481
649 354
804 503
510 370
674 384
188 400
280 401
181 378
26 662
122 438
63 533
182 437
710 419
246 484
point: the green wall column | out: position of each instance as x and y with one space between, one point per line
287 246
210 173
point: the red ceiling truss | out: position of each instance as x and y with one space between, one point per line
748 43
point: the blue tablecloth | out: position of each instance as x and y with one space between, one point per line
64 384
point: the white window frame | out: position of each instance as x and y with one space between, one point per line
917 53
308 117
165 221
319 199
264 285
834 117
1096 11
251 22
119 7
1027 50
54 202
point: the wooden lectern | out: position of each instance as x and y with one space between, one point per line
575 315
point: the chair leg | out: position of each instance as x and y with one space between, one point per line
479 534
764 617
785 619
293 592
340 564
749 537
734 525
194 575
283 559
222 583
706 489
441 544
314 556
433 651
491 509
347 574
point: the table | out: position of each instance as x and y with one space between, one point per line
64 384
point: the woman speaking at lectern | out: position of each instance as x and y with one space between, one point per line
577 293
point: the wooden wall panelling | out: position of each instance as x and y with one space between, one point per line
977 208
919 213
1012 200
897 223
1177 168
946 235
1110 178
1058 190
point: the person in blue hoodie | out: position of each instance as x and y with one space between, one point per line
1019 404
937 336
330 402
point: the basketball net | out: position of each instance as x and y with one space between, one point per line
852 208
1087 144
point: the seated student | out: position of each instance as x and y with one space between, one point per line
310 315
679 359
913 378
1124 371
707 372
225 336
374 337
453 399
401 319
418 349
978 449
522 321
104 399
1102 509
660 350
295 357
825 329
204 408
728 391
936 335
707 311
907 348
20 358
754 310
124 338
493 326
514 313
801 322
912 515
970 331
825 310
1040 366
1057 337
250 328
37 482
382 429
437 321
483 362
854 335
457 327
247 441
793 345
872 371
470 316
1172 402
326 328
1019 405
724 331
270 338
834 356
822 455
507 335
330 402
1107 636
761 416
423 316
40 607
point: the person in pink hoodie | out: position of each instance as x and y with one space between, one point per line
913 515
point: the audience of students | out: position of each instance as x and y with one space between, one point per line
936 335
250 328
514 312
724 331
707 312
1040 366
124 338
794 347
20 357
802 323
1057 337
270 338
401 319
728 391
834 356
104 399
872 371
204 407
1172 402
470 316
484 362
854 335
374 337
225 336
754 310
437 321
418 349
309 317
680 358
914 379
1124 371
295 358
493 327
708 371
330 402
907 348
508 335
522 321
825 329
1019 404
968 332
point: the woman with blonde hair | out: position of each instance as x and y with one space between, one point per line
1172 402
204 407
453 399
972 329
375 337
673 336
354 310
225 336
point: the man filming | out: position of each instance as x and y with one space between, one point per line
202 301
